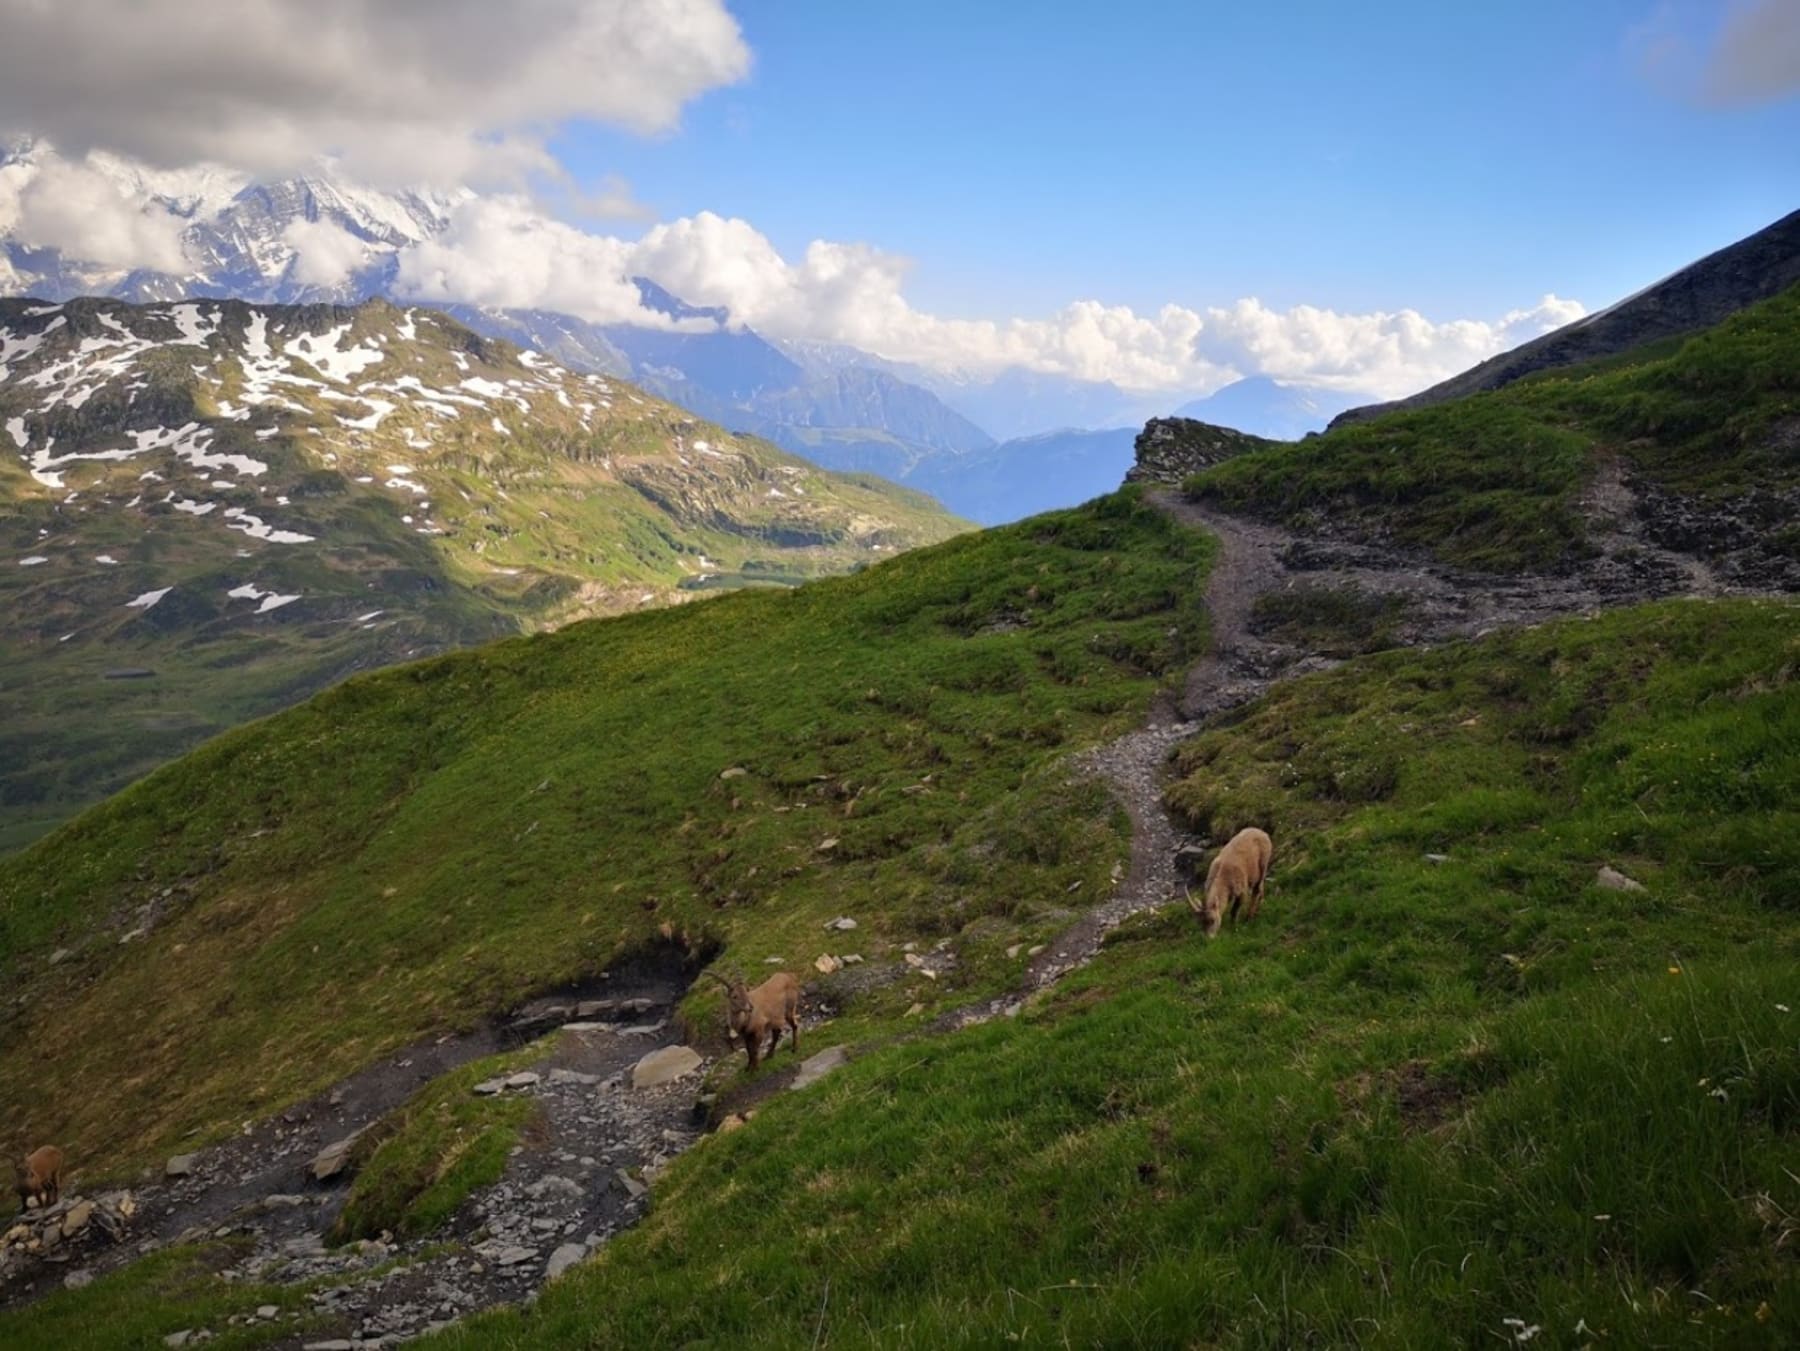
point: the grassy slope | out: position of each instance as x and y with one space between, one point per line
1414 1101
417 847
1491 481
167 1292
561 516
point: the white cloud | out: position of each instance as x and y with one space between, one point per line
1386 353
324 254
89 214
499 252
436 90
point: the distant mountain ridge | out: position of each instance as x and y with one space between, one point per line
1267 408
1699 295
238 238
981 441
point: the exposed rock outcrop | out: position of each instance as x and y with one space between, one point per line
1171 448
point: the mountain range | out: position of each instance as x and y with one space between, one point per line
970 438
1267 408
211 509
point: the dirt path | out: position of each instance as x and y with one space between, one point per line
1437 604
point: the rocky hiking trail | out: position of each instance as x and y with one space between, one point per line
598 1138
1435 604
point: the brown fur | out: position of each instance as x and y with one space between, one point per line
39 1177
764 1011
1235 879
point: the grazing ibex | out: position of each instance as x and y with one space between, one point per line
39 1177
1235 879
764 1011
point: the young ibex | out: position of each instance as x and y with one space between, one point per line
39 1177
1235 879
764 1011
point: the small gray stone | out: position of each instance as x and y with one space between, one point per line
562 1076
266 1311
633 1188
842 924
1437 858
178 1338
488 1087
665 1066
562 1259
1611 879
182 1165
77 1218
554 1184
334 1158
594 1008
816 1067
523 1079
515 1255
77 1280
1190 862
59 956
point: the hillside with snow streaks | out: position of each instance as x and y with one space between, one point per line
248 502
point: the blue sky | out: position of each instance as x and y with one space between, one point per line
1165 195
1460 159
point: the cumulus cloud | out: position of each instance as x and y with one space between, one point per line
89 214
442 90
499 252
1757 56
324 254
1387 353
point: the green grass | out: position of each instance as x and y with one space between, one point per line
169 1291
1333 621
417 848
563 514
1492 481
419 1163
1411 1102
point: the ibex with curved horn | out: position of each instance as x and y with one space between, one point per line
764 1011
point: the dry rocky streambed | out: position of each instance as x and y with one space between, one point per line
615 1092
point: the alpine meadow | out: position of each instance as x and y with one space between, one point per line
577 771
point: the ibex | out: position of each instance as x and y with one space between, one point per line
1235 879
764 1011
39 1177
